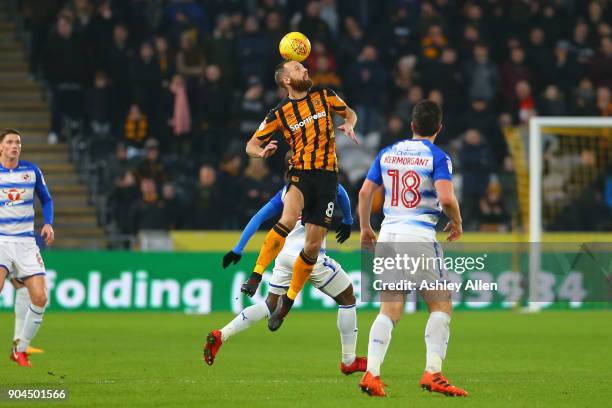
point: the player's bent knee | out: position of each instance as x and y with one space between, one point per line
393 310
39 299
271 301
312 250
346 298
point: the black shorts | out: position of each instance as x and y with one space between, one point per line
319 188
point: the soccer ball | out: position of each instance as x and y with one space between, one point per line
294 46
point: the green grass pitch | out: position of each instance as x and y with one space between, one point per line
560 358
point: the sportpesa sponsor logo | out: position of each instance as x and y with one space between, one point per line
307 121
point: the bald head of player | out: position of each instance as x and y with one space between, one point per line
426 120
10 145
292 76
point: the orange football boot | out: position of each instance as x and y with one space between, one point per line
373 386
21 358
360 364
438 383
213 343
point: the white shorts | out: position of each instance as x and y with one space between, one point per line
327 276
429 253
21 259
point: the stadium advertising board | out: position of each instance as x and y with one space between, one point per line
196 283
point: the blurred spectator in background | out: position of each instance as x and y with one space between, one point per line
433 43
604 102
393 132
99 110
146 81
399 35
407 102
83 13
319 52
329 14
512 72
181 114
116 62
102 24
151 167
601 67
40 15
253 52
540 56
117 166
231 186
584 99
366 87
471 35
350 44
481 74
165 58
122 197
65 70
220 47
173 206
492 215
565 72
581 45
252 108
481 117
259 186
216 97
313 26
190 61
149 213
325 76
552 102
475 161
207 207
182 15
524 107
135 130
403 77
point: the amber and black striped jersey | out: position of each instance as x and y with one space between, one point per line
308 128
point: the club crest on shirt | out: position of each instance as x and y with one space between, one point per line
13 196
26 177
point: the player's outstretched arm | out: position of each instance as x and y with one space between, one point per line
344 230
271 209
450 206
364 209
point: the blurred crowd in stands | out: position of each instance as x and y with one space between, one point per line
168 92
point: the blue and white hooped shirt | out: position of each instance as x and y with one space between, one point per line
17 188
408 170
